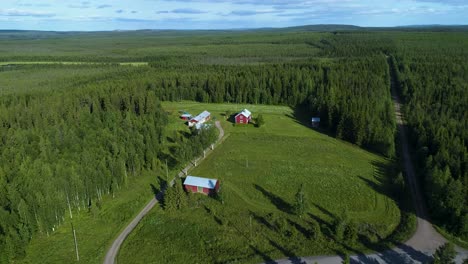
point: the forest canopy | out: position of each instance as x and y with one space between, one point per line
73 133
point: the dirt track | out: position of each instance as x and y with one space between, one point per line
114 249
422 245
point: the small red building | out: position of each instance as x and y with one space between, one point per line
243 117
185 116
201 185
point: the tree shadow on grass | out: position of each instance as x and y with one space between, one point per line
261 220
304 231
291 256
215 218
277 201
392 250
264 256
325 211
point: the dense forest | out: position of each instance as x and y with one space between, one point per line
65 151
73 133
434 83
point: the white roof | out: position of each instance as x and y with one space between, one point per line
202 182
201 116
315 119
245 112
185 115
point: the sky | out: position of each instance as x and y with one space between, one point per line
96 15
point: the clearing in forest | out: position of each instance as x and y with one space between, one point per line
261 170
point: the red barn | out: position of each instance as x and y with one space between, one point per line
201 185
243 117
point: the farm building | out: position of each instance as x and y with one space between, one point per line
185 116
201 185
200 119
243 117
315 122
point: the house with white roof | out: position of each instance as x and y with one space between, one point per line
201 185
243 117
200 119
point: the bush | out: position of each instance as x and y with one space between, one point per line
445 254
260 121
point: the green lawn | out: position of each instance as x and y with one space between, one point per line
260 170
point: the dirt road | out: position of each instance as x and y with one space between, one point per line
114 249
422 245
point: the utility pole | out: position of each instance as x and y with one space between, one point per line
76 243
246 161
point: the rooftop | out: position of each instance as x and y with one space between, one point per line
201 116
202 182
245 112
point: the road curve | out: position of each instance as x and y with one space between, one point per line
114 249
424 242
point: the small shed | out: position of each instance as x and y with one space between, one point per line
315 122
185 116
201 185
200 119
243 117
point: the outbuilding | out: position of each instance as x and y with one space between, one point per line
201 185
243 117
315 122
200 119
185 116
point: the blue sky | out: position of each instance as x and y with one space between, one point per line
91 15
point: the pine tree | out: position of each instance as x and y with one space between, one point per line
180 195
445 254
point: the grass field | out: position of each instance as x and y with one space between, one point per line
260 170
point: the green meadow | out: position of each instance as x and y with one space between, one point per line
260 170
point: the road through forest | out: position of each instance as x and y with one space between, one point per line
424 242
114 249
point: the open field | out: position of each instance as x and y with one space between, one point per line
260 170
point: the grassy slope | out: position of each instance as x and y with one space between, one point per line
281 155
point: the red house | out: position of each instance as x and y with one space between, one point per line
243 117
201 185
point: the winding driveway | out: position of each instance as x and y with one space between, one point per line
114 249
424 242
